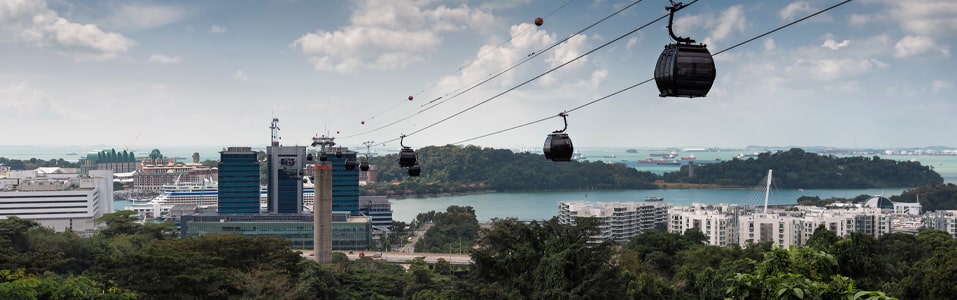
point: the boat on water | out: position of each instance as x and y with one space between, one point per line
664 155
690 157
665 162
654 198
72 153
647 161
631 151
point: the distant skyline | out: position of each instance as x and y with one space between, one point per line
873 74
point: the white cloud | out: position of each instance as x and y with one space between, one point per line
859 20
216 29
570 49
33 23
240 75
141 16
918 46
940 85
631 42
831 69
789 13
19 100
928 17
388 35
833 45
769 44
164 59
730 20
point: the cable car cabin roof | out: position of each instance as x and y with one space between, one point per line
406 157
558 147
685 70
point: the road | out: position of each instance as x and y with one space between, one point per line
410 247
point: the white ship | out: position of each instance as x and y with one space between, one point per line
203 194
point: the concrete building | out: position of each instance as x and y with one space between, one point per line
59 202
285 166
943 220
621 221
888 206
238 189
718 222
348 232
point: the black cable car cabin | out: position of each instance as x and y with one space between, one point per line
558 147
685 70
364 165
350 164
415 170
407 157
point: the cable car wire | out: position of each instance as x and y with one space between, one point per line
538 76
649 80
513 66
459 70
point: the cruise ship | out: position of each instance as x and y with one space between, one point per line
203 194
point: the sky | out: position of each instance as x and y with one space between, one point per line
868 74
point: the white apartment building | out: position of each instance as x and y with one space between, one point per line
944 220
717 222
60 203
621 221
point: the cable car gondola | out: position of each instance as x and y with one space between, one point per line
406 155
350 164
323 156
558 146
684 69
415 170
339 153
364 165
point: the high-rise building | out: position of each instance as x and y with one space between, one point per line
345 183
285 165
238 181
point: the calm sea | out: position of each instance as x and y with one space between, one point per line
542 205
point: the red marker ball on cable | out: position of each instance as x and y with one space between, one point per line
539 21
410 98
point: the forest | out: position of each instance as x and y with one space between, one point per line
462 169
33 163
512 260
797 169
458 169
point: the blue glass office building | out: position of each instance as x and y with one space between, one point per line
345 183
285 167
238 181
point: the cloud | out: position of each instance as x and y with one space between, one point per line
631 42
919 46
142 16
216 29
929 17
240 75
790 12
730 20
388 35
33 23
831 44
859 20
940 85
831 69
163 59
769 44
19 100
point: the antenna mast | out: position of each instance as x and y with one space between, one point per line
274 132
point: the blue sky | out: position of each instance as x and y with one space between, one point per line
871 73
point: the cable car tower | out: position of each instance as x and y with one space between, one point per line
684 69
364 164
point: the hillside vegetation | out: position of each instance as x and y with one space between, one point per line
798 169
471 168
